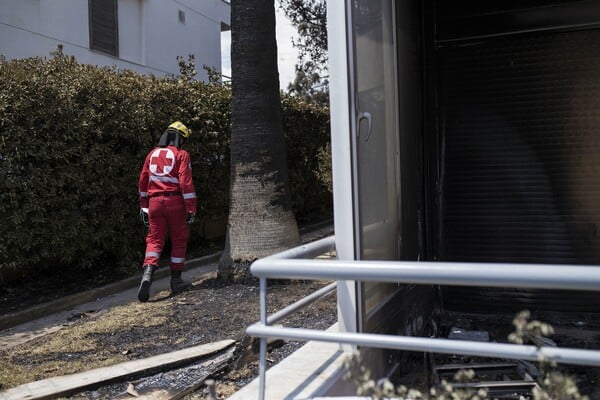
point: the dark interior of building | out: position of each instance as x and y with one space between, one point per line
505 99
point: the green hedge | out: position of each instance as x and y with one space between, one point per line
73 138
307 135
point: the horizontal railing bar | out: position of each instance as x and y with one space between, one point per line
456 367
497 385
309 250
575 277
429 345
305 301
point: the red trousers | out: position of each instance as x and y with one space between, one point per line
167 214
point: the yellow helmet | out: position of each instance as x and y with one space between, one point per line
181 128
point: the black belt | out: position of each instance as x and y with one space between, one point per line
166 194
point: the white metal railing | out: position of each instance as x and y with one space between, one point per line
299 263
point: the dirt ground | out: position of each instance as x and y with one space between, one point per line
210 311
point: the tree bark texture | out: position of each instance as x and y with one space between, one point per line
261 220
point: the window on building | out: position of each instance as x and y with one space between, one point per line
104 35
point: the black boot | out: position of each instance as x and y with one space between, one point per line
144 290
178 285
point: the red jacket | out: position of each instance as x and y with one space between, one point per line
167 169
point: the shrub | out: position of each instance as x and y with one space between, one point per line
73 138
306 128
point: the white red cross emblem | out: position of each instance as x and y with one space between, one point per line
162 162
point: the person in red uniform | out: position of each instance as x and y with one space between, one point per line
167 203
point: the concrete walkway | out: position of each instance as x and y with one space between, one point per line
313 370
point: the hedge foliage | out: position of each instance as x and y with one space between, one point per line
73 138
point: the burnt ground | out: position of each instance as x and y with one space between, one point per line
210 311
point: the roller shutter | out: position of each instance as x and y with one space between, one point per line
520 122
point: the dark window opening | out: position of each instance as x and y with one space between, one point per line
104 35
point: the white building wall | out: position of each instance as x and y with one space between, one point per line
151 35
35 27
341 155
167 37
131 34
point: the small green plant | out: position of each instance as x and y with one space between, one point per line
214 76
552 384
446 391
526 330
376 390
187 69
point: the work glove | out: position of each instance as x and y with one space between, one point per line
144 216
191 217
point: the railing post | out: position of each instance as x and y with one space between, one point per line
262 363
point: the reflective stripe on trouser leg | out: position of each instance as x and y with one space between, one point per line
151 257
155 240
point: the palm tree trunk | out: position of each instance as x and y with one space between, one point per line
261 220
